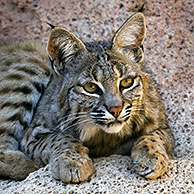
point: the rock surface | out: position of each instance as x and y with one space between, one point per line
169 56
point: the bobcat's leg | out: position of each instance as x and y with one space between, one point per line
68 158
13 163
150 153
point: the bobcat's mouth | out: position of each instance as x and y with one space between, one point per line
108 122
116 122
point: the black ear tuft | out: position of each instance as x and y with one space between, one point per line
51 25
142 8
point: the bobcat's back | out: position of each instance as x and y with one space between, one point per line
24 74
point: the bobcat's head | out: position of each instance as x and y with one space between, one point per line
103 86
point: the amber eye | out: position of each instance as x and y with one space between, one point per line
126 83
91 87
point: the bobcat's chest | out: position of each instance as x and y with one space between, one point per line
104 144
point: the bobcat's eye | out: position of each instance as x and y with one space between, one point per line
91 87
126 83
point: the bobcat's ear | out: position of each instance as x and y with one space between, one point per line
63 46
129 39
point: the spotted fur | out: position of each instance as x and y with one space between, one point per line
85 100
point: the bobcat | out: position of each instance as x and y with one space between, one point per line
89 100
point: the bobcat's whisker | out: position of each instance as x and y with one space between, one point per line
78 123
72 114
80 127
138 109
70 119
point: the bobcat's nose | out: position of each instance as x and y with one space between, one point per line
115 111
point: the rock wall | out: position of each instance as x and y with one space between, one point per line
168 54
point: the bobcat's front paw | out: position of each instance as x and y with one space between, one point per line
150 163
72 167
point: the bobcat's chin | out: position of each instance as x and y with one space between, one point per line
113 128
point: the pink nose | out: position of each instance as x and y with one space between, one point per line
115 111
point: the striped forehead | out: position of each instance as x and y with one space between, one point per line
106 69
